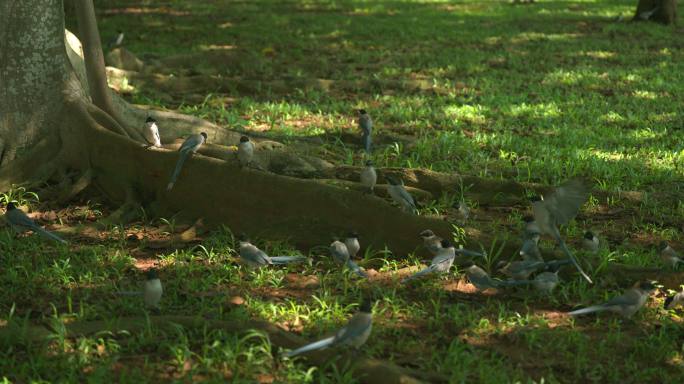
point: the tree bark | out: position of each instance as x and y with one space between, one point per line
661 11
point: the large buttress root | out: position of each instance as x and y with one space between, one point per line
262 204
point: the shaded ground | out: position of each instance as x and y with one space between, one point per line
534 93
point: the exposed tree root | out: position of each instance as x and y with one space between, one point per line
76 187
367 370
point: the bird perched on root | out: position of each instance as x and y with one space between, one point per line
368 176
189 146
245 152
400 195
151 133
366 127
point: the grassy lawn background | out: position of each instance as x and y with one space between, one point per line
534 93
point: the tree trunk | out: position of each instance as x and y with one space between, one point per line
661 11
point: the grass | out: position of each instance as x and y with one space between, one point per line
532 93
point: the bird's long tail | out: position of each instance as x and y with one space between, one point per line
287 259
176 171
48 234
423 272
469 253
512 283
356 269
367 141
312 347
573 259
592 309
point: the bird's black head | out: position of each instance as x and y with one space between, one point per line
668 300
204 135
528 219
150 119
369 163
646 286
353 235
426 233
151 274
392 180
535 198
119 31
446 243
362 112
244 139
366 306
243 237
589 235
11 206
663 244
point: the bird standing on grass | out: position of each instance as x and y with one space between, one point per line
590 242
245 151
340 253
366 126
530 248
352 244
354 334
669 256
152 292
400 195
431 242
559 208
21 222
189 146
441 263
151 132
254 257
626 304
368 176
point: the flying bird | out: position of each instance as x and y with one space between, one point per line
366 126
21 222
189 146
400 195
245 151
354 334
559 208
441 263
340 253
626 304
151 132
254 257
116 41
368 176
